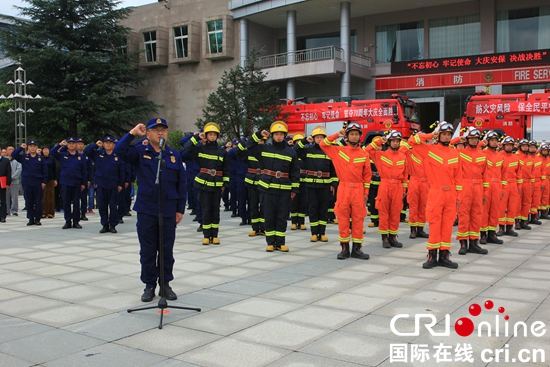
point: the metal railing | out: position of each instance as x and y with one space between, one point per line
361 60
302 56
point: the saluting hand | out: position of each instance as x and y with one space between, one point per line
310 139
435 134
99 143
139 130
341 133
202 136
24 146
265 133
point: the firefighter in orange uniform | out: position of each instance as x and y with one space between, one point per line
545 195
444 173
493 192
474 166
536 184
393 179
417 192
510 201
526 168
352 165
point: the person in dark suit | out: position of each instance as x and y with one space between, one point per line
5 182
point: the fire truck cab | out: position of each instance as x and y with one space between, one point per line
515 115
375 116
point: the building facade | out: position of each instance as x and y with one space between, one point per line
437 52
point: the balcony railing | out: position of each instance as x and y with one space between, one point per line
310 55
302 56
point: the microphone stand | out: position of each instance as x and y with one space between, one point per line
162 304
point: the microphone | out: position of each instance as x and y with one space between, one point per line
161 143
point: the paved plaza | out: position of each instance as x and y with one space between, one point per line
64 296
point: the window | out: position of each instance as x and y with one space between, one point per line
400 42
181 37
215 36
455 36
523 29
150 42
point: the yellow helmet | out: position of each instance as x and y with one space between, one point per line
319 130
298 136
278 127
211 127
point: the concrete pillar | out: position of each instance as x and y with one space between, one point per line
345 84
291 49
244 40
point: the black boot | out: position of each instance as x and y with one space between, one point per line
543 214
386 241
483 238
501 229
456 222
518 224
420 233
357 253
105 229
413 233
37 222
534 220
444 259
463 247
510 231
67 225
83 217
30 222
476 249
432 260
492 238
524 225
394 242
234 214
345 251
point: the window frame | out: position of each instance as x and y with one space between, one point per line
147 44
184 39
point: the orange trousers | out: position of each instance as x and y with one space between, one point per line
545 195
417 197
470 210
389 202
350 204
535 197
509 204
525 200
441 214
491 208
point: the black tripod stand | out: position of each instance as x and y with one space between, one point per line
162 305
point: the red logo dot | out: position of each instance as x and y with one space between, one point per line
506 317
489 304
464 326
474 309
501 309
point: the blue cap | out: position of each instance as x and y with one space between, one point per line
71 140
156 122
32 142
109 138
236 141
79 140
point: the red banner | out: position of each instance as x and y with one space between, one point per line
539 74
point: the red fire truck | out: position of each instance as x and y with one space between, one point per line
519 115
375 116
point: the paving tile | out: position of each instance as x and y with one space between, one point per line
65 315
104 355
210 298
322 317
352 302
113 326
360 349
230 352
9 361
220 322
298 359
247 287
379 290
169 341
14 328
262 307
283 334
23 305
297 294
47 346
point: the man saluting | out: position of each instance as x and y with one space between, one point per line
144 159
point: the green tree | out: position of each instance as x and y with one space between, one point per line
243 102
74 52
174 138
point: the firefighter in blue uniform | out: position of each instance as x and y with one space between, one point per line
144 159
251 181
84 193
319 178
108 181
242 189
279 181
73 179
212 180
127 180
33 179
